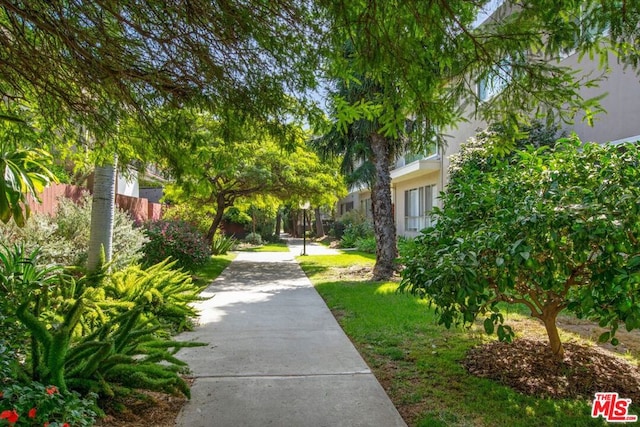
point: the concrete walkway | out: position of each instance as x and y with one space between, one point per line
276 355
298 246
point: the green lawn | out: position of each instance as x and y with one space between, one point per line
269 247
212 269
418 362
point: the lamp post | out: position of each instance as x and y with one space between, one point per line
304 206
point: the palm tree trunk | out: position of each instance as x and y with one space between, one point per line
102 214
383 222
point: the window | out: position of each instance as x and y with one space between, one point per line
495 80
418 203
345 207
486 11
365 207
588 30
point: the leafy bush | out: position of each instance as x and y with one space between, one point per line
354 216
64 239
551 228
102 336
22 278
403 243
367 244
190 213
166 293
272 238
34 404
253 239
221 244
8 362
480 149
176 239
354 232
236 216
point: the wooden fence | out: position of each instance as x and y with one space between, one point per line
140 209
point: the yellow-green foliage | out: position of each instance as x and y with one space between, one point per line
101 333
163 291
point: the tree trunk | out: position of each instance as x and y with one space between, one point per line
102 214
276 232
383 222
294 221
319 228
549 320
221 205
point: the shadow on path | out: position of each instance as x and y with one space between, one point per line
276 355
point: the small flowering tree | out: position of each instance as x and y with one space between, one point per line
551 228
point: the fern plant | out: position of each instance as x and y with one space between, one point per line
100 334
123 354
165 292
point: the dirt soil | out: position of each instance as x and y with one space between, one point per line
155 410
527 365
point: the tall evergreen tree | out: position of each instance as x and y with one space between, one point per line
424 60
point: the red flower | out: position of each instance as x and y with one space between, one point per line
11 416
65 425
1 394
51 390
46 424
32 413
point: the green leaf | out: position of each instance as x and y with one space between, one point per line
604 337
5 209
488 326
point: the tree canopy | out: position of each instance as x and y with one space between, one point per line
105 58
216 164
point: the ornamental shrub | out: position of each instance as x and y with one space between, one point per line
167 294
35 404
552 228
178 240
253 239
8 363
348 219
64 238
195 215
354 232
23 277
366 244
221 244
98 334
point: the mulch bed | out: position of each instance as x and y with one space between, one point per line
527 366
159 410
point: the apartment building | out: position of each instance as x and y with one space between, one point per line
417 180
